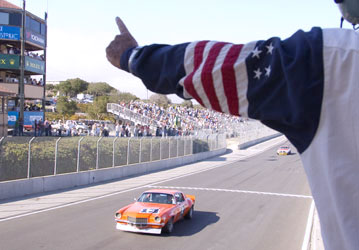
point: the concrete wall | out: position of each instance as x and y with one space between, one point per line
250 143
19 188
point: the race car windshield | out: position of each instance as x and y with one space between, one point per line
156 198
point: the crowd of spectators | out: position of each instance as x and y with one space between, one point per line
180 120
27 80
16 51
32 107
98 129
32 81
42 128
172 121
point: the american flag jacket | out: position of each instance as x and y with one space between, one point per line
306 86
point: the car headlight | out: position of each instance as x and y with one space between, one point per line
118 215
158 219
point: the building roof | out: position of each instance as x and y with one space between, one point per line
6 4
6 92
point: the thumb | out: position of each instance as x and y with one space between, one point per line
121 26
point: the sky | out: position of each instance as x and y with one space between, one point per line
79 31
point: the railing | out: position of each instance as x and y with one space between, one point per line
128 114
27 157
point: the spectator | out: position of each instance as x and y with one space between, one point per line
117 129
41 127
36 127
46 126
304 86
60 128
21 126
50 129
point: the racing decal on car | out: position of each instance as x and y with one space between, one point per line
150 211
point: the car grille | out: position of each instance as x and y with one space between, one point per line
134 220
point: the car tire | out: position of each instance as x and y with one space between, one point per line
189 215
168 228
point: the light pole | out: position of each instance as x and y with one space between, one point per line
22 64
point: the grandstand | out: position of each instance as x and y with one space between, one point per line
188 120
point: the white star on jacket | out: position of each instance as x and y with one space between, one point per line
268 70
270 48
256 52
258 73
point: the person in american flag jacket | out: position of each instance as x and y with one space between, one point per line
306 86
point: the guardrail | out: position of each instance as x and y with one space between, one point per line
28 157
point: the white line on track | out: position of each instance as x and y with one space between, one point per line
233 191
308 229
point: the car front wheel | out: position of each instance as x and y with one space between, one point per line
189 215
169 226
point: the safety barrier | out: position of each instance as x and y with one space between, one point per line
28 157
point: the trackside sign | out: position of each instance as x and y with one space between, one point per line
9 32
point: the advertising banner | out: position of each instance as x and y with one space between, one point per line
29 117
35 38
12 116
9 61
34 65
9 32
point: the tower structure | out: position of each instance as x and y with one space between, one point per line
22 63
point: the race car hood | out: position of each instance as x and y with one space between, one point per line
142 209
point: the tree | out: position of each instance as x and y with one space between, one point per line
50 87
187 104
83 107
99 89
98 109
126 97
65 88
78 86
65 107
198 106
161 100
72 87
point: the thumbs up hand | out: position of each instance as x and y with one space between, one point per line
120 44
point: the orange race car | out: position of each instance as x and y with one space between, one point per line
155 211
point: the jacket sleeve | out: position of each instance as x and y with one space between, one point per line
279 82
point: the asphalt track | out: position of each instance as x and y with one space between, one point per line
243 202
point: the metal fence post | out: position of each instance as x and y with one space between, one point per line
169 148
78 154
151 150
207 144
56 148
191 144
2 138
113 151
128 150
161 148
184 145
97 151
29 158
177 146
140 153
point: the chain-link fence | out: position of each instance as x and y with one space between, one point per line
27 157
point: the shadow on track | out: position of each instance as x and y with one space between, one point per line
200 221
